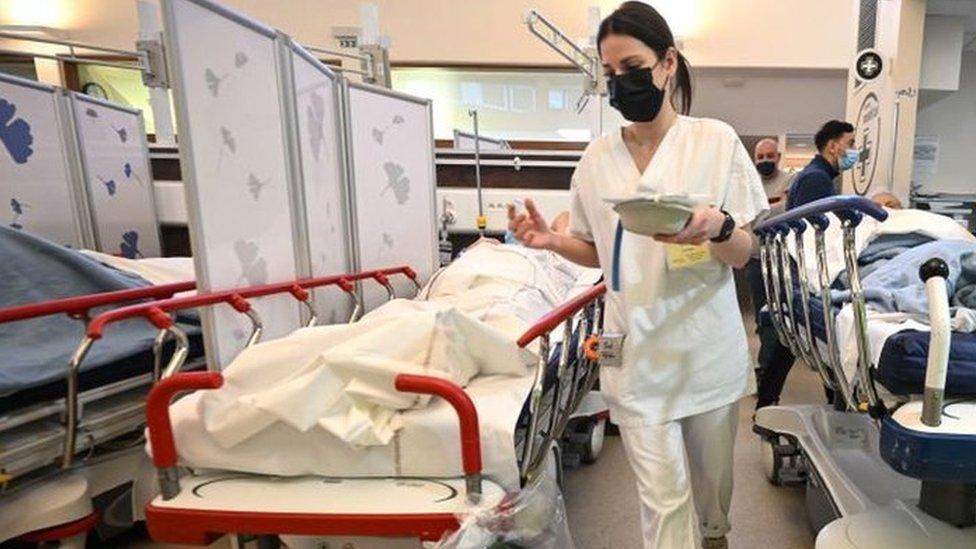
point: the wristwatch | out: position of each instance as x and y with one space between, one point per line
728 226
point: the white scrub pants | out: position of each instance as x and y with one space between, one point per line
683 466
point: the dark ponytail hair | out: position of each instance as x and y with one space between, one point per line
643 22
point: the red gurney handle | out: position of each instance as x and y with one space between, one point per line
157 411
238 297
555 317
80 305
467 414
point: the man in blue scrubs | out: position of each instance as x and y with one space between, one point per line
835 153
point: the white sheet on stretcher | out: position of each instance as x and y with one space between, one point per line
305 404
881 326
155 270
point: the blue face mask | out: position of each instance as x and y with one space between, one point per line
849 159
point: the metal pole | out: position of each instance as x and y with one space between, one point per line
68 44
73 59
337 53
482 221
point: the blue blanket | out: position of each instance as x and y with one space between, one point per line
37 351
898 288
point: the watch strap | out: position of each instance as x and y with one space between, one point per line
728 227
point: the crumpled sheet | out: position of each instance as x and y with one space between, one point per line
321 401
340 378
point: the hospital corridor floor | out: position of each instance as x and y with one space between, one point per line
601 499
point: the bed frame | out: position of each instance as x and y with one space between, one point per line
41 443
204 505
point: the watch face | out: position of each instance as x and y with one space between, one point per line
95 90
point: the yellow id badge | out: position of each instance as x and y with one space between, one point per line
682 256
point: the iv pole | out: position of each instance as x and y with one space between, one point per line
482 221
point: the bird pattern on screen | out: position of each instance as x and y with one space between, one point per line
15 133
18 208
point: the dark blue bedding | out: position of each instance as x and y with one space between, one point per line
35 353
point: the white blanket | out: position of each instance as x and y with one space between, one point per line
155 270
322 401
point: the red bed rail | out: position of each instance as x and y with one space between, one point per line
78 306
165 457
156 311
552 319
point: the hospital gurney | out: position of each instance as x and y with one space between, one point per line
877 475
31 440
203 505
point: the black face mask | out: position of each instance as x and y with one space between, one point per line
766 167
635 95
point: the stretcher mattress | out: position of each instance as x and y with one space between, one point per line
901 367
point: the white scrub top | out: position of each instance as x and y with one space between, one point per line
686 350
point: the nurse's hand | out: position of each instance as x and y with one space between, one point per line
530 228
705 223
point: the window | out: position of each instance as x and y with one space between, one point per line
538 104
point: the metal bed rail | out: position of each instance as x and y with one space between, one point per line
774 236
569 390
157 312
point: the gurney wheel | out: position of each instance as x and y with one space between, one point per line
595 431
772 462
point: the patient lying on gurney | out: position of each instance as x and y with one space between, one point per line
332 387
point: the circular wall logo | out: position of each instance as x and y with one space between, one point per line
868 65
867 138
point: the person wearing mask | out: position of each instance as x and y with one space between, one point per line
835 154
775 182
683 364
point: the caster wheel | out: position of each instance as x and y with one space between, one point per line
595 433
772 462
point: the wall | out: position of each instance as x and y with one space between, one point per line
767 33
952 117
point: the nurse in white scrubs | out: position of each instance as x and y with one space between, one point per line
685 361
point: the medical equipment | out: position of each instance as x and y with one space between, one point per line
204 505
586 59
33 437
868 467
482 221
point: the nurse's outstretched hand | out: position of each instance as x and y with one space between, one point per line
530 228
705 223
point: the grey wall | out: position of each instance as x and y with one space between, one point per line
952 117
770 101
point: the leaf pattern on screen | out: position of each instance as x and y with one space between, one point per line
91 113
15 133
130 173
316 123
254 270
379 134
254 185
397 182
240 59
18 208
213 81
109 185
228 139
123 134
388 240
129 247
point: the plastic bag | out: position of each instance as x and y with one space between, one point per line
535 517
